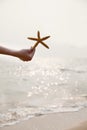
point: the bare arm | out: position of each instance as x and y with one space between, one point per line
24 54
7 51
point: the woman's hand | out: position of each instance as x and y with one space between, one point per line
26 54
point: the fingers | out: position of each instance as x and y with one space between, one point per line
31 50
32 53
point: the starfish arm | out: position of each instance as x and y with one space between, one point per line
45 38
39 40
38 35
44 44
35 39
35 45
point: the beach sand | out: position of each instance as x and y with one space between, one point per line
56 121
82 126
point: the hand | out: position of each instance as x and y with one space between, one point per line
26 54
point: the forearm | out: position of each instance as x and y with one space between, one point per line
7 51
24 54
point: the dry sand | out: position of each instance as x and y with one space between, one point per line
56 121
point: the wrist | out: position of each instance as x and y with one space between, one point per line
14 53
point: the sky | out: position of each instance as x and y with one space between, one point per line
64 20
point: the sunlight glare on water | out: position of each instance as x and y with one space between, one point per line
51 85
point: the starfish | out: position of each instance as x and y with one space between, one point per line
39 40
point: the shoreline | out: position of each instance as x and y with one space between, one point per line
55 121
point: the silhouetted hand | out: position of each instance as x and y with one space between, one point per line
26 54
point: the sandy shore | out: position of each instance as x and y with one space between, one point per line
56 121
82 126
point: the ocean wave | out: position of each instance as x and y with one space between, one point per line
58 87
19 114
72 70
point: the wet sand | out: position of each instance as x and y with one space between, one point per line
81 126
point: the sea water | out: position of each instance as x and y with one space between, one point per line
41 87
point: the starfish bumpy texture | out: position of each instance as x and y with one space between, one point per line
39 40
